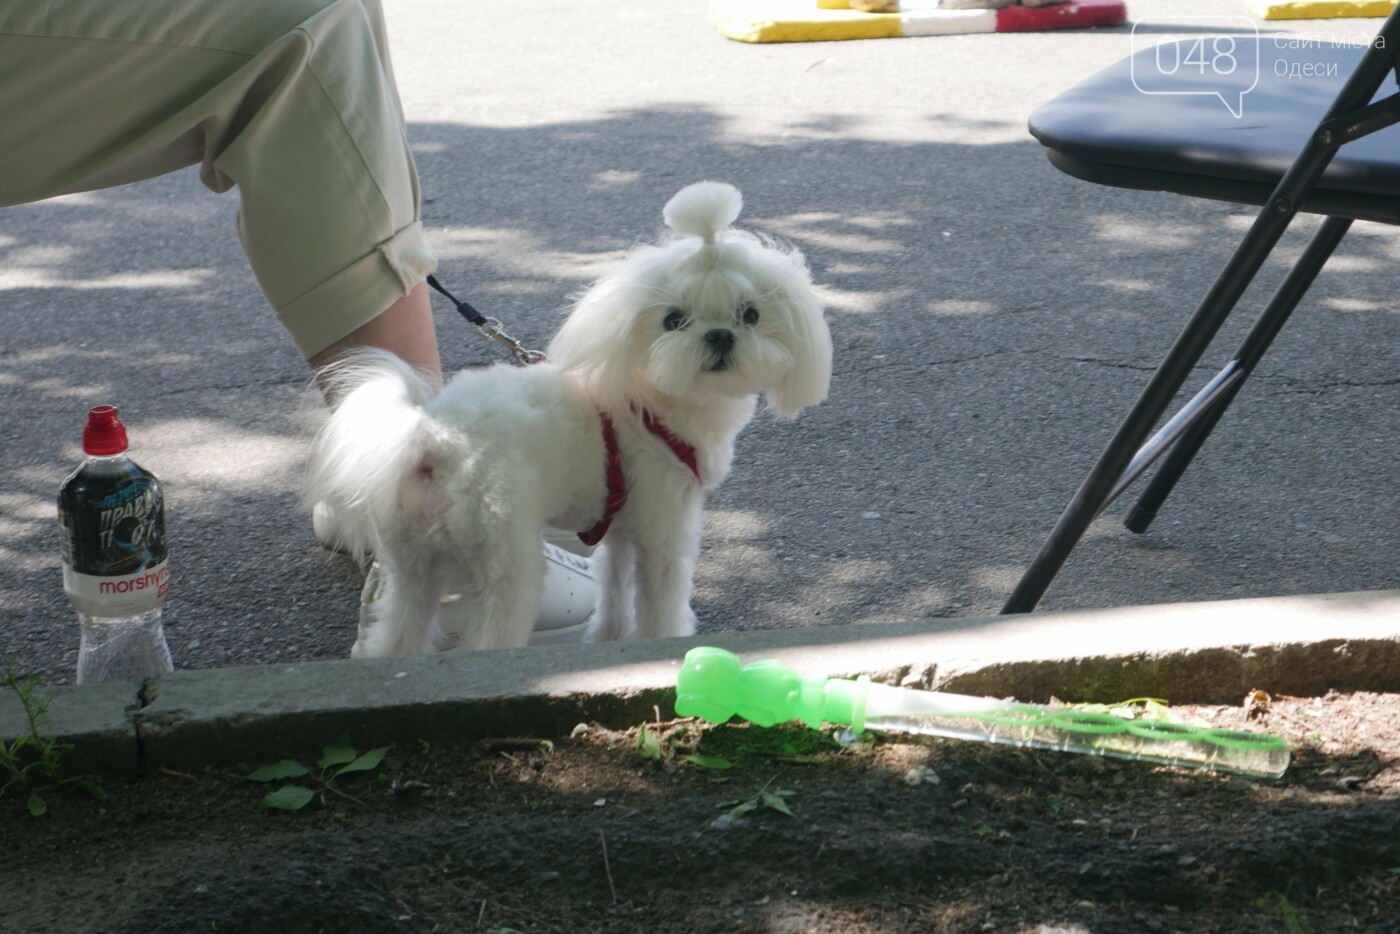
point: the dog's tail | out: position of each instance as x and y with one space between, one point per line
375 439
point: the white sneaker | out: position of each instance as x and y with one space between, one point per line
328 531
567 541
566 605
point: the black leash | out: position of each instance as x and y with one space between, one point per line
467 311
489 327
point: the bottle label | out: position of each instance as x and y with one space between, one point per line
126 595
111 516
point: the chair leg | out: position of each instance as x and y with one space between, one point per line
1102 483
1298 281
1098 486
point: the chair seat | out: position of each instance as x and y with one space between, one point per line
1182 138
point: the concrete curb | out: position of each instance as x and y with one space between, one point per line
1187 652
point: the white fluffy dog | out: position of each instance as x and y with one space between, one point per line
619 434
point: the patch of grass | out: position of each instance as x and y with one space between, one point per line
739 743
731 745
1135 708
31 765
338 759
669 746
1277 906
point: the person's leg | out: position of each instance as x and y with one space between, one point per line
405 328
292 101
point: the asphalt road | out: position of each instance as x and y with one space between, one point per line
993 319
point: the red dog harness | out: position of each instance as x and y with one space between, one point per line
617 483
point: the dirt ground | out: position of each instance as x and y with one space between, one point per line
602 832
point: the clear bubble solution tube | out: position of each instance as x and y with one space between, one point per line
715 686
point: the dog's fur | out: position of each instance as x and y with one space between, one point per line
455 488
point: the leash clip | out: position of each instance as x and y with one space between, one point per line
488 327
494 330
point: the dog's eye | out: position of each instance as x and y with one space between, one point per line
675 320
750 315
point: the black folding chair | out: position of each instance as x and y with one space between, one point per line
1306 140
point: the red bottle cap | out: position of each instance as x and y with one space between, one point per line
105 434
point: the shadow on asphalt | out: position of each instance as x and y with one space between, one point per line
992 320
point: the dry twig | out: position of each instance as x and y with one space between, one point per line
607 870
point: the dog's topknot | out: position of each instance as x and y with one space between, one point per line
703 209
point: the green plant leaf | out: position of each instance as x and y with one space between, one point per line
1153 709
38 807
367 762
710 762
742 808
338 753
648 743
287 768
774 800
288 798
92 789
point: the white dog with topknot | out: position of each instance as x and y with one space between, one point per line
648 382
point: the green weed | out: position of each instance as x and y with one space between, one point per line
1135 708
648 743
338 759
773 800
666 745
745 743
1277 906
31 765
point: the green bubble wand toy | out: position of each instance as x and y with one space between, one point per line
715 686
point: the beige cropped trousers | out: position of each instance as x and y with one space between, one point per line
291 101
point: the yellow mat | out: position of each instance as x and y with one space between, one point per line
788 21
1318 9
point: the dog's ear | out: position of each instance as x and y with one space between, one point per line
598 340
808 340
590 335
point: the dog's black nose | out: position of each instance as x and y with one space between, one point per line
721 340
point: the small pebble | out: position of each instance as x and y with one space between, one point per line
921 775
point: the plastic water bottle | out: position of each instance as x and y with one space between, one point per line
111 516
